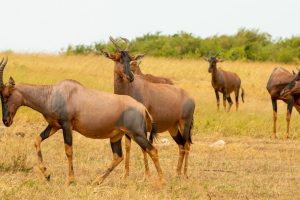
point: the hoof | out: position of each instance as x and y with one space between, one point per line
125 176
287 137
274 137
97 182
178 174
70 181
162 182
186 176
146 177
47 176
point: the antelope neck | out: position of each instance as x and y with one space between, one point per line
35 97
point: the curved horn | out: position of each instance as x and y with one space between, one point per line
2 65
127 43
115 43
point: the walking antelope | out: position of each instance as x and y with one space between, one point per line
279 79
171 107
69 106
224 82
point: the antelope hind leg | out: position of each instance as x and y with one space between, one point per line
117 158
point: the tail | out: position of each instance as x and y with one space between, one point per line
243 94
187 132
149 121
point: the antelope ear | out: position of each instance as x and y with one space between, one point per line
11 82
104 53
112 56
138 58
220 60
294 73
205 59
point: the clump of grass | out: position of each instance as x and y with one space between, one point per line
16 163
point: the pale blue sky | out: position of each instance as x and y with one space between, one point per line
49 25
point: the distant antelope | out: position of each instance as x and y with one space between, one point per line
70 106
171 107
224 82
279 79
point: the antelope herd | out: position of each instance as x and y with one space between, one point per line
141 103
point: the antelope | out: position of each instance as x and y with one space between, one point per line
171 107
224 82
69 106
279 79
135 68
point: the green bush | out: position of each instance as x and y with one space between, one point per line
244 45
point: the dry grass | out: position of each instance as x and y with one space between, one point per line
251 166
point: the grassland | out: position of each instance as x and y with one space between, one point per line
250 166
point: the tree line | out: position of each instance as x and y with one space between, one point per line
246 44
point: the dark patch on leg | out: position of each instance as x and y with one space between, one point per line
153 132
274 105
45 134
179 139
290 104
229 100
67 132
143 142
117 147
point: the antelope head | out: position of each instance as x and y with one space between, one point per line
292 87
213 60
11 99
135 65
122 60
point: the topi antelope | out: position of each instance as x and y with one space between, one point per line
171 107
280 81
224 82
70 106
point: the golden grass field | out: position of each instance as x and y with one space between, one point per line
250 166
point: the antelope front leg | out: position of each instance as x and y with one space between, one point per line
229 102
68 140
288 116
117 158
274 105
37 144
224 101
218 99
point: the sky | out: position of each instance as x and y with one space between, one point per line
50 25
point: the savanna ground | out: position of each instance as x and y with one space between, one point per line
250 166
